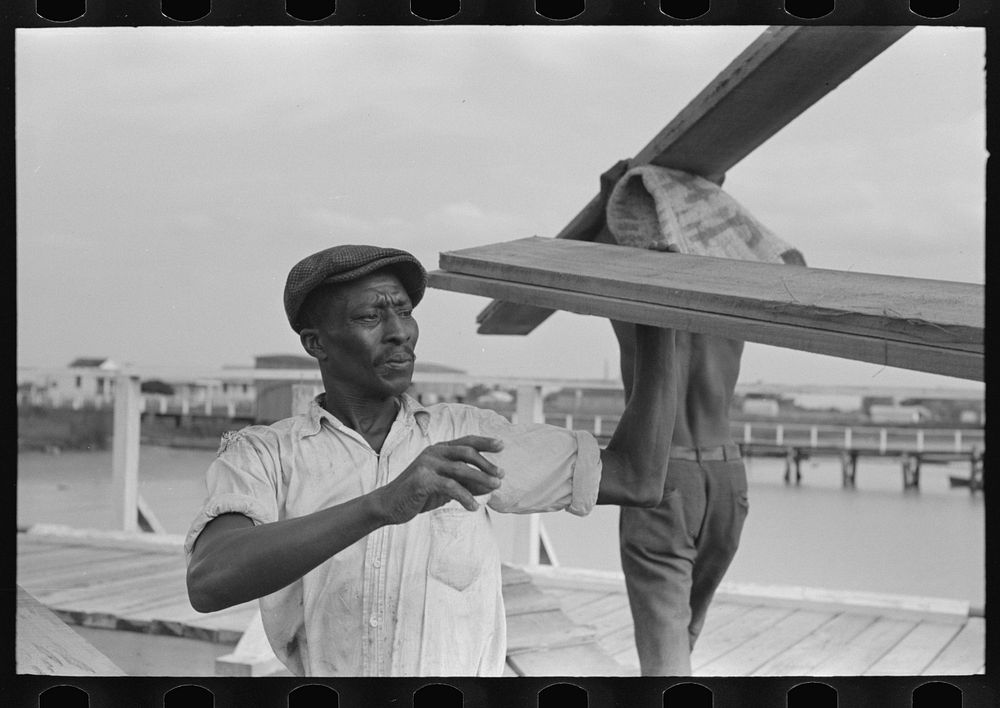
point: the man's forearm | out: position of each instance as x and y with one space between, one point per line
635 460
234 562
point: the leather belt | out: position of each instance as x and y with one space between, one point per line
727 452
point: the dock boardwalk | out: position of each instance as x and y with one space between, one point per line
560 621
136 582
789 631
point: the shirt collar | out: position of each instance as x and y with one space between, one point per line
311 422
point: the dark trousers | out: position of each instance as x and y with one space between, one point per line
674 557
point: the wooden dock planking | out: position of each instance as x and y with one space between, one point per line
964 653
576 619
572 600
870 645
69 559
620 616
111 573
522 598
99 589
577 660
800 658
721 613
596 612
752 654
914 653
539 630
127 596
68 580
619 640
714 644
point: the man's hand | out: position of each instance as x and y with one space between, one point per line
442 472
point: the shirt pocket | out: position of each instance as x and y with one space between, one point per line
456 548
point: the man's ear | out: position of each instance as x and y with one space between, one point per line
309 337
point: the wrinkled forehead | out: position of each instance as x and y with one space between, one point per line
381 287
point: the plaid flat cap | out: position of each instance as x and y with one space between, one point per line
341 264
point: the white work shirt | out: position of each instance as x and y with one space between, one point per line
416 599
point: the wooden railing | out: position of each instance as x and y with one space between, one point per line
132 513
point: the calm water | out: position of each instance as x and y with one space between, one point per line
874 537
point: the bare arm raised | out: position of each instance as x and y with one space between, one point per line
234 561
635 460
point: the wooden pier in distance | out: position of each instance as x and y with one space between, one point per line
911 462
913 446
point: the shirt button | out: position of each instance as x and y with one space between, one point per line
373 621
377 563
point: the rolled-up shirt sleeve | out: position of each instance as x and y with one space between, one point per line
546 468
240 480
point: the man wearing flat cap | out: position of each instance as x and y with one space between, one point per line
362 524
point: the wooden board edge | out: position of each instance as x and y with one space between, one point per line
906 355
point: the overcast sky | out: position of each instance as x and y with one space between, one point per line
168 178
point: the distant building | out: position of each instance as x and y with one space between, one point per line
839 402
496 397
275 396
760 406
879 413
86 380
444 388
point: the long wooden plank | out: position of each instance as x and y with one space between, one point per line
917 310
45 645
777 77
936 360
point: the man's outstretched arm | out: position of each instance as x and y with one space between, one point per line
234 561
635 460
